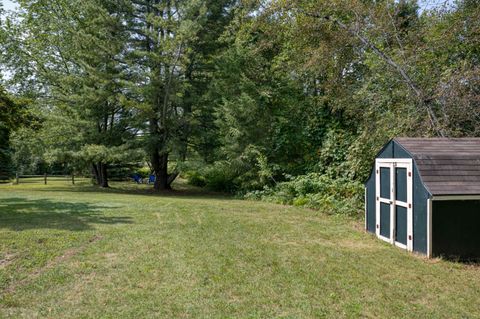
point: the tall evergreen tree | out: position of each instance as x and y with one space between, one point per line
167 39
74 52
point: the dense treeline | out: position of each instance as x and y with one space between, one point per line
7 107
280 100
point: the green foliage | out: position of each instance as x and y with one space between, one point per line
6 165
29 150
260 107
332 156
195 178
311 94
259 94
13 114
222 176
334 196
250 170
144 171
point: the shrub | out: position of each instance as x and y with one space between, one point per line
300 201
250 171
195 178
337 196
144 172
221 177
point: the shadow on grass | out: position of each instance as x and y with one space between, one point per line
469 260
22 214
126 189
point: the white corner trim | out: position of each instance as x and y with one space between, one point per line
366 213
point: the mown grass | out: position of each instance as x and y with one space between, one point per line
75 252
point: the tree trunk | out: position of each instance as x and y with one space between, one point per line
160 167
101 174
104 174
162 85
96 174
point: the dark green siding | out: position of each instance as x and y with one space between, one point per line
399 152
385 220
370 215
420 204
385 182
401 224
401 184
387 151
456 229
420 196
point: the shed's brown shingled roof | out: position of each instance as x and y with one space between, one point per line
448 166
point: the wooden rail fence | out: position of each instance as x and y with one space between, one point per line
43 178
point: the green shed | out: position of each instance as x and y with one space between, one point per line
423 195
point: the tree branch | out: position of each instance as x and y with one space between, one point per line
387 59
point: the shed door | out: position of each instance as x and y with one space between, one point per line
394 211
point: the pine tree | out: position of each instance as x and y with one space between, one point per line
74 50
165 36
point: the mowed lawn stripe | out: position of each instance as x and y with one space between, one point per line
71 252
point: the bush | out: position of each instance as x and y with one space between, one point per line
195 178
144 172
221 177
250 171
337 196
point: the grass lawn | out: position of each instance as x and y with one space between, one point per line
72 252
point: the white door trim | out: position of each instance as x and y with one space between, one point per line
393 163
379 199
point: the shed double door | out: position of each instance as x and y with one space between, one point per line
394 201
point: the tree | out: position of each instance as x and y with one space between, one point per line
73 52
118 73
258 90
166 49
8 112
